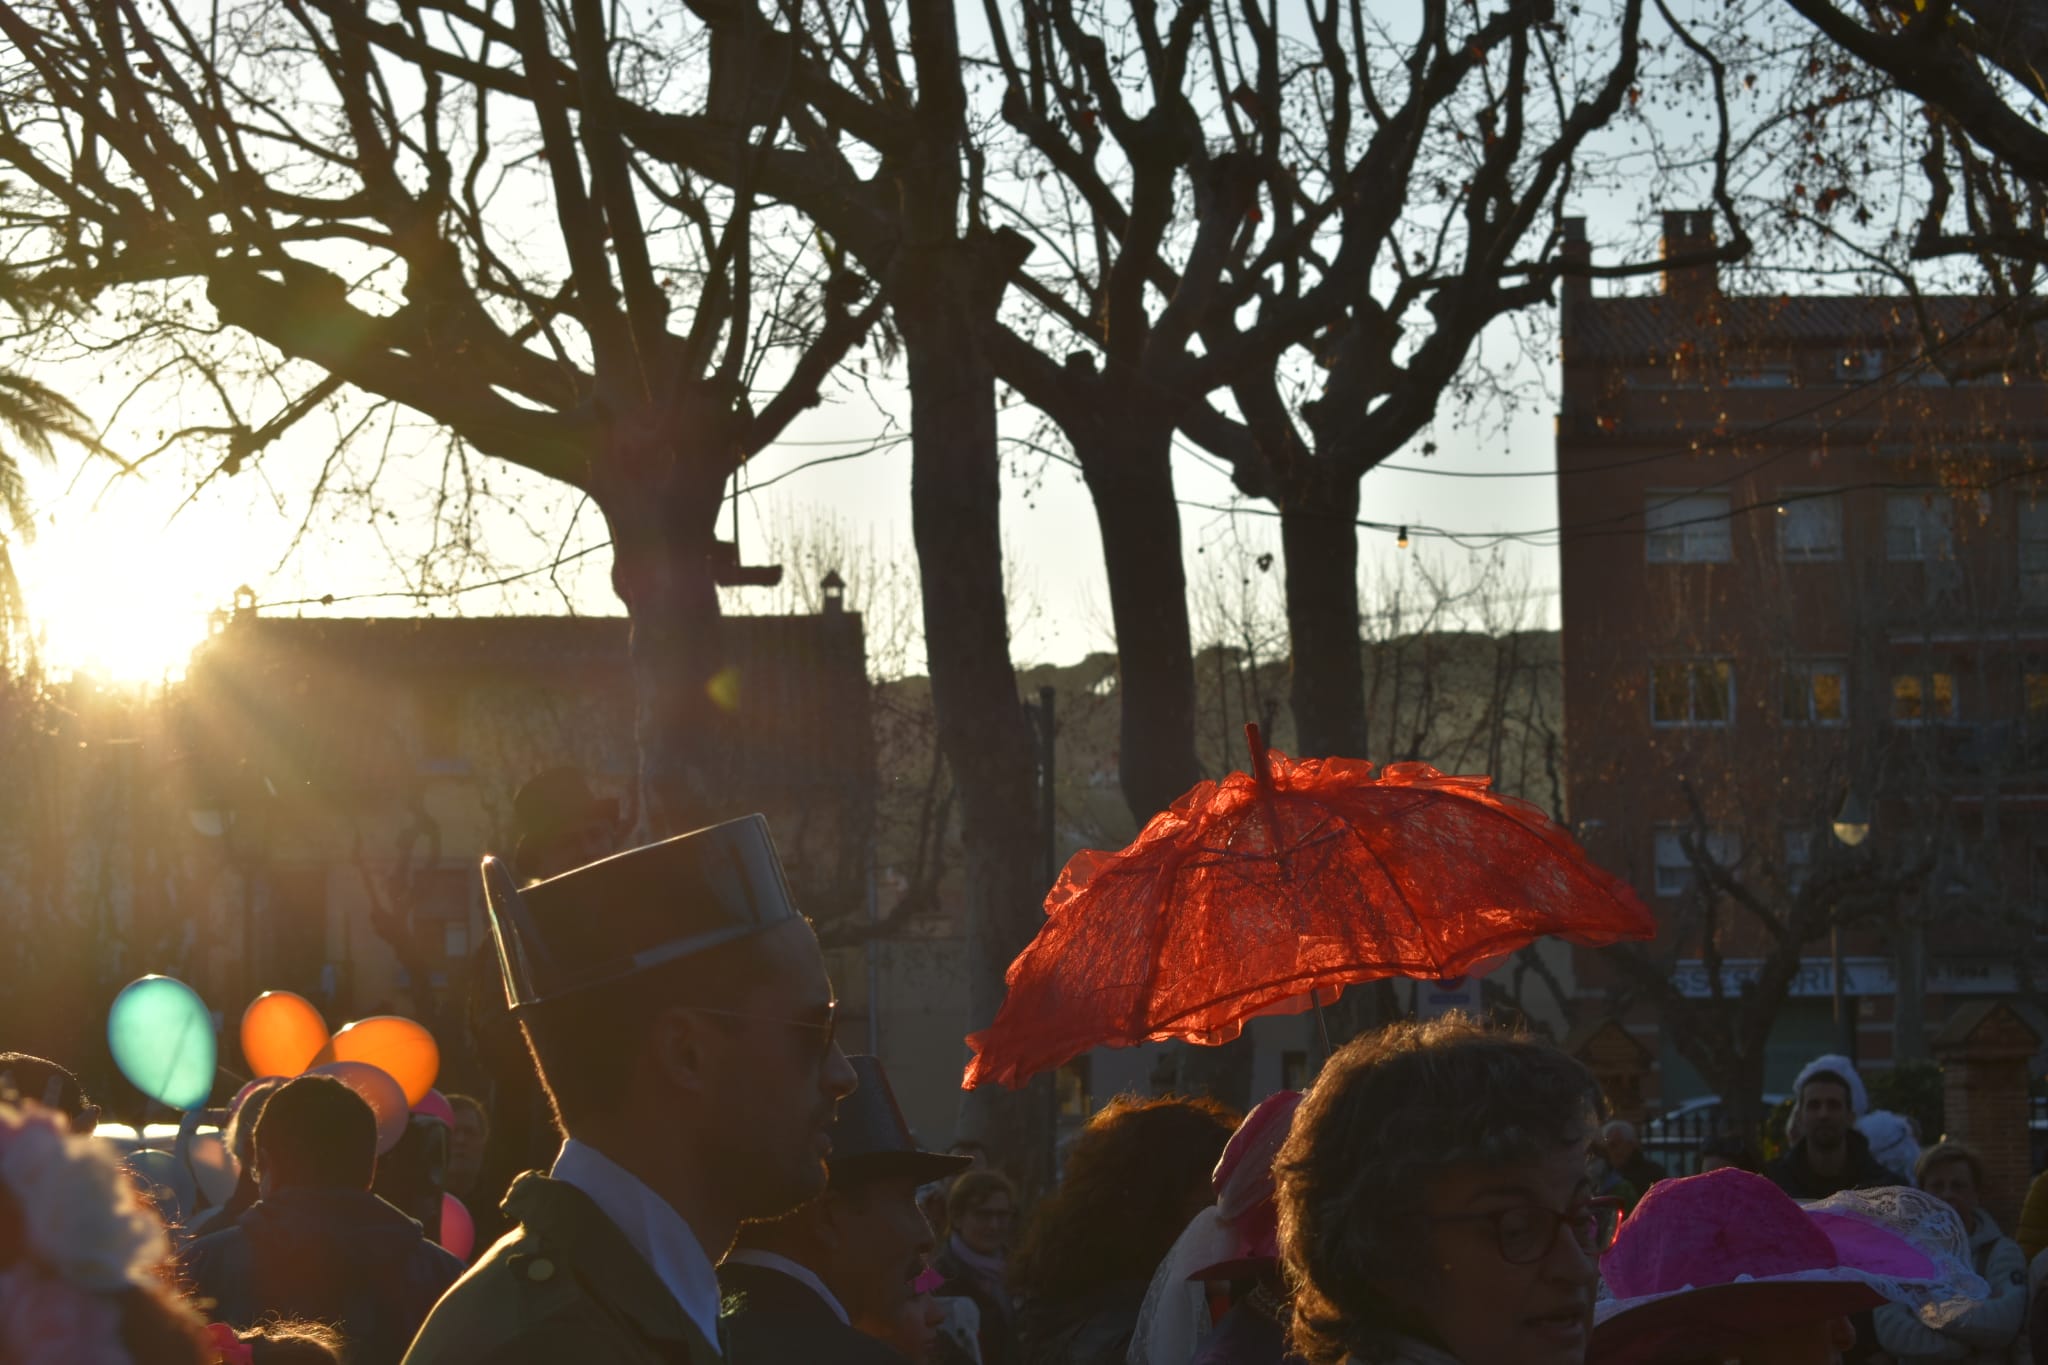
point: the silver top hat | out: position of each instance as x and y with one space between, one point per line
634 911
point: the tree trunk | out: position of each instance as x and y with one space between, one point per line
1129 471
660 484
1319 540
956 518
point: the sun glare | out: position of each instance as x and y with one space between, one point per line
112 592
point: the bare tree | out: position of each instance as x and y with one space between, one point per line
294 206
1902 150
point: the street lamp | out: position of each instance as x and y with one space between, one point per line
1852 827
1852 821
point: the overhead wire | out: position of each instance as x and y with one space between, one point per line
1869 391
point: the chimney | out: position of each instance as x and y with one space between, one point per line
1689 233
1576 253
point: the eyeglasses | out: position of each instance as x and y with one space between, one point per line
1526 1233
827 1028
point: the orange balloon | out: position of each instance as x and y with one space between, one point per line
397 1046
281 1034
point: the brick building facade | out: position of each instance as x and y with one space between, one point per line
1802 567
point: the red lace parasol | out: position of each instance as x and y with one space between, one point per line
1249 895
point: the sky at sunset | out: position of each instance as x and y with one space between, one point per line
125 569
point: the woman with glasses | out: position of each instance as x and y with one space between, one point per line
1435 1207
981 1209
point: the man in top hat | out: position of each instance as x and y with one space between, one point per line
677 1008
823 1284
560 824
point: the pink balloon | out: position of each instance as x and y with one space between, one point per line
385 1096
436 1106
458 1232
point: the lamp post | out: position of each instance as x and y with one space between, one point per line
1851 827
225 815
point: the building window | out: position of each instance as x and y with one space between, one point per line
1798 859
1816 692
1810 528
1687 528
2039 887
2034 554
2037 698
1916 527
1675 872
1692 692
1761 377
454 940
1071 1085
1922 698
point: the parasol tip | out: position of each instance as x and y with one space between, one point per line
1255 740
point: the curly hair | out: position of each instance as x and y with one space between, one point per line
1124 1196
1391 1111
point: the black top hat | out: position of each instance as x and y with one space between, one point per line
636 910
559 801
870 1138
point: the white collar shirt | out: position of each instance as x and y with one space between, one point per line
654 1229
802 1274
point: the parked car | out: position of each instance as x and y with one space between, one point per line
1673 1139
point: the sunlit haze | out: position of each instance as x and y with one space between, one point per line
122 574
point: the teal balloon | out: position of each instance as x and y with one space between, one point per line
162 1039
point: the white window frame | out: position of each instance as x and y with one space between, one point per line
1692 668
1927 699
1824 504
1803 670
1673 872
1931 525
1681 527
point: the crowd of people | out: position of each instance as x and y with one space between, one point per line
730 1188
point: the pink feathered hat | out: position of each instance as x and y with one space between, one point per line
1243 1181
1728 1257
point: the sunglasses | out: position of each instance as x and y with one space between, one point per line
827 1028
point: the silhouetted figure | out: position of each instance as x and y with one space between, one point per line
318 1244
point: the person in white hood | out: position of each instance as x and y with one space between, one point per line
1893 1144
1987 1334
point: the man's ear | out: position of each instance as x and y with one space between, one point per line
682 1049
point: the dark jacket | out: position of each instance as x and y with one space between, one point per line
1095 1329
998 1336
565 1286
768 1317
338 1256
1795 1175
